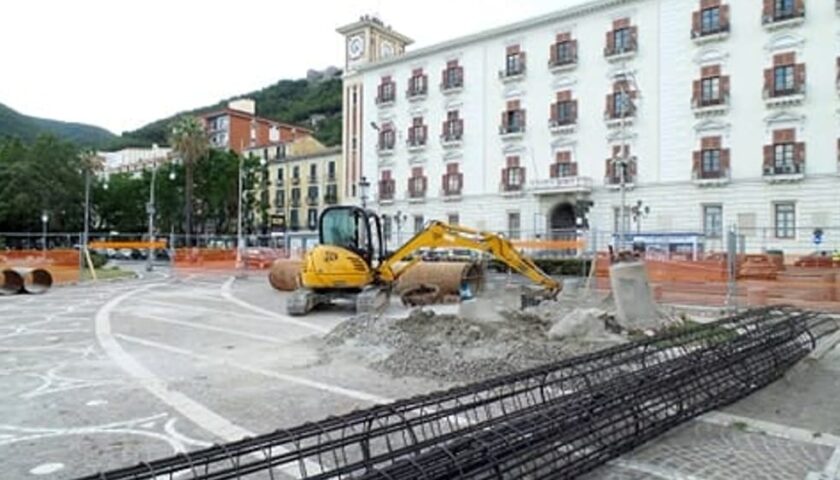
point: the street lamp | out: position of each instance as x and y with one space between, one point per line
364 187
623 159
239 239
45 218
150 208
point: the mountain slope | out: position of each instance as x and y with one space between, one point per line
291 101
15 124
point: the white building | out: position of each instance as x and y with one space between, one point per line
734 117
134 160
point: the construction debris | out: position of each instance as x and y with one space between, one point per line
456 349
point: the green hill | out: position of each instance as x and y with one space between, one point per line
291 101
14 124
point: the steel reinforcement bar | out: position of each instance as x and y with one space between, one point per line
361 441
578 433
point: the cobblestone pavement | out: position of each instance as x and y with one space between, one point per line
96 377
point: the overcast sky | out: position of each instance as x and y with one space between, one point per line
120 64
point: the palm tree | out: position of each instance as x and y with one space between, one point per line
189 140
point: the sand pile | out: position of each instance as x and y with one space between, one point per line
450 348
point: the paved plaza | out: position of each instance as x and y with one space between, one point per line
94 377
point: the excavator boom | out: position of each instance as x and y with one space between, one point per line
441 235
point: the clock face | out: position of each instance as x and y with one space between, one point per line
387 49
356 47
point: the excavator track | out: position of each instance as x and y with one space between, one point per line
301 302
372 299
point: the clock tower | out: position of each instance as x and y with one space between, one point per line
366 41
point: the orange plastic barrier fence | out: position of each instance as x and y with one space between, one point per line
761 280
205 258
158 244
63 265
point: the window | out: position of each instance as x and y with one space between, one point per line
713 221
710 20
564 53
387 91
565 113
513 121
785 218
621 104
313 172
387 138
312 193
453 219
312 218
710 161
453 76
784 80
514 225
331 171
294 219
417 183
783 9
513 176
453 180
419 222
386 186
417 84
280 198
514 64
417 133
296 173
295 196
280 175
332 194
783 157
623 40
453 127
710 91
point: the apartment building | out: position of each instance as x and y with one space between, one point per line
237 128
710 113
303 178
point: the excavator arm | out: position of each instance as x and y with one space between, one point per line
441 235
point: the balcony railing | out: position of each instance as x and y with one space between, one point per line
721 29
774 97
313 179
294 203
331 199
783 18
386 99
621 51
417 92
786 169
295 180
312 201
511 129
512 72
569 61
386 148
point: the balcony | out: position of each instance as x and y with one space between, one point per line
616 121
563 126
620 54
386 100
416 145
313 179
451 195
512 131
709 35
312 201
385 150
562 65
295 180
331 178
788 19
331 199
452 140
417 196
710 107
294 203
559 185
512 74
417 94
452 88
710 178
784 98
784 173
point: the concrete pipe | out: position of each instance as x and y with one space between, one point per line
447 277
12 283
284 274
35 281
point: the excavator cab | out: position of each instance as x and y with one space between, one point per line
354 229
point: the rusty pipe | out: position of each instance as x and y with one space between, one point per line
33 281
12 282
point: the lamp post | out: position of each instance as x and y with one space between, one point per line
83 245
239 238
623 159
150 209
364 187
45 218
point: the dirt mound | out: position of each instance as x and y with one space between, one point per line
450 348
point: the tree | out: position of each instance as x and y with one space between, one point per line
189 141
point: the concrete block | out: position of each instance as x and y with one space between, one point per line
633 296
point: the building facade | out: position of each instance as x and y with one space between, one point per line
303 178
712 112
237 128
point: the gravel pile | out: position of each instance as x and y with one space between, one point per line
450 348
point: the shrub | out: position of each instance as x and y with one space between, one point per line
98 260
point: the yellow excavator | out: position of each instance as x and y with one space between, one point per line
350 262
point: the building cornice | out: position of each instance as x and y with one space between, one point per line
559 16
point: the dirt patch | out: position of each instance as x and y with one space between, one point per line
451 348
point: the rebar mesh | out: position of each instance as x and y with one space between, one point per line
554 421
